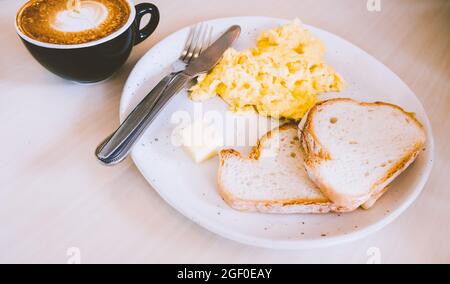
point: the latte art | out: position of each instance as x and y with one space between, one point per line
73 5
89 15
62 22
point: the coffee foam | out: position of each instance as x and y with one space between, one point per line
56 22
89 15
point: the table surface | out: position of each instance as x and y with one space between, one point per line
54 195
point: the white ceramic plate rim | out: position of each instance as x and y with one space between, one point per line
295 244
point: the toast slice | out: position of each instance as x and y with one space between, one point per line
354 150
273 179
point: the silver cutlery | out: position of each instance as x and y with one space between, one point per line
200 58
199 38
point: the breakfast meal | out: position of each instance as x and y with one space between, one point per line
345 156
344 153
269 124
72 22
280 78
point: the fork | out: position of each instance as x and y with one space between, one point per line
136 123
198 40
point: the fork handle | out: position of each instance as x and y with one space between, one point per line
116 147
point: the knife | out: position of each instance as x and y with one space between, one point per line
117 146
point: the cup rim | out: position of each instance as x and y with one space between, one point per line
125 27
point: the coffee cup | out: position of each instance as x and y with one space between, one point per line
86 42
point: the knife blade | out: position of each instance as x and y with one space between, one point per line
116 147
211 56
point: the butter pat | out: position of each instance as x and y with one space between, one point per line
201 141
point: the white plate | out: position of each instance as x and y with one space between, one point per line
191 188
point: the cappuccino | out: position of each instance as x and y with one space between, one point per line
69 22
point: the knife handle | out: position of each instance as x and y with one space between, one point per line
116 147
179 82
106 150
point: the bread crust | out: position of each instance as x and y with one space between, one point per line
271 206
382 186
315 154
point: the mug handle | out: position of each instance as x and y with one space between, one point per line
141 10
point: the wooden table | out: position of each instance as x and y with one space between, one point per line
54 195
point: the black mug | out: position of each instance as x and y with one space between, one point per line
96 60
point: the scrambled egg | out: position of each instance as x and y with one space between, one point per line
281 77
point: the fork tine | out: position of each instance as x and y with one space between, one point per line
209 40
191 49
188 43
202 42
